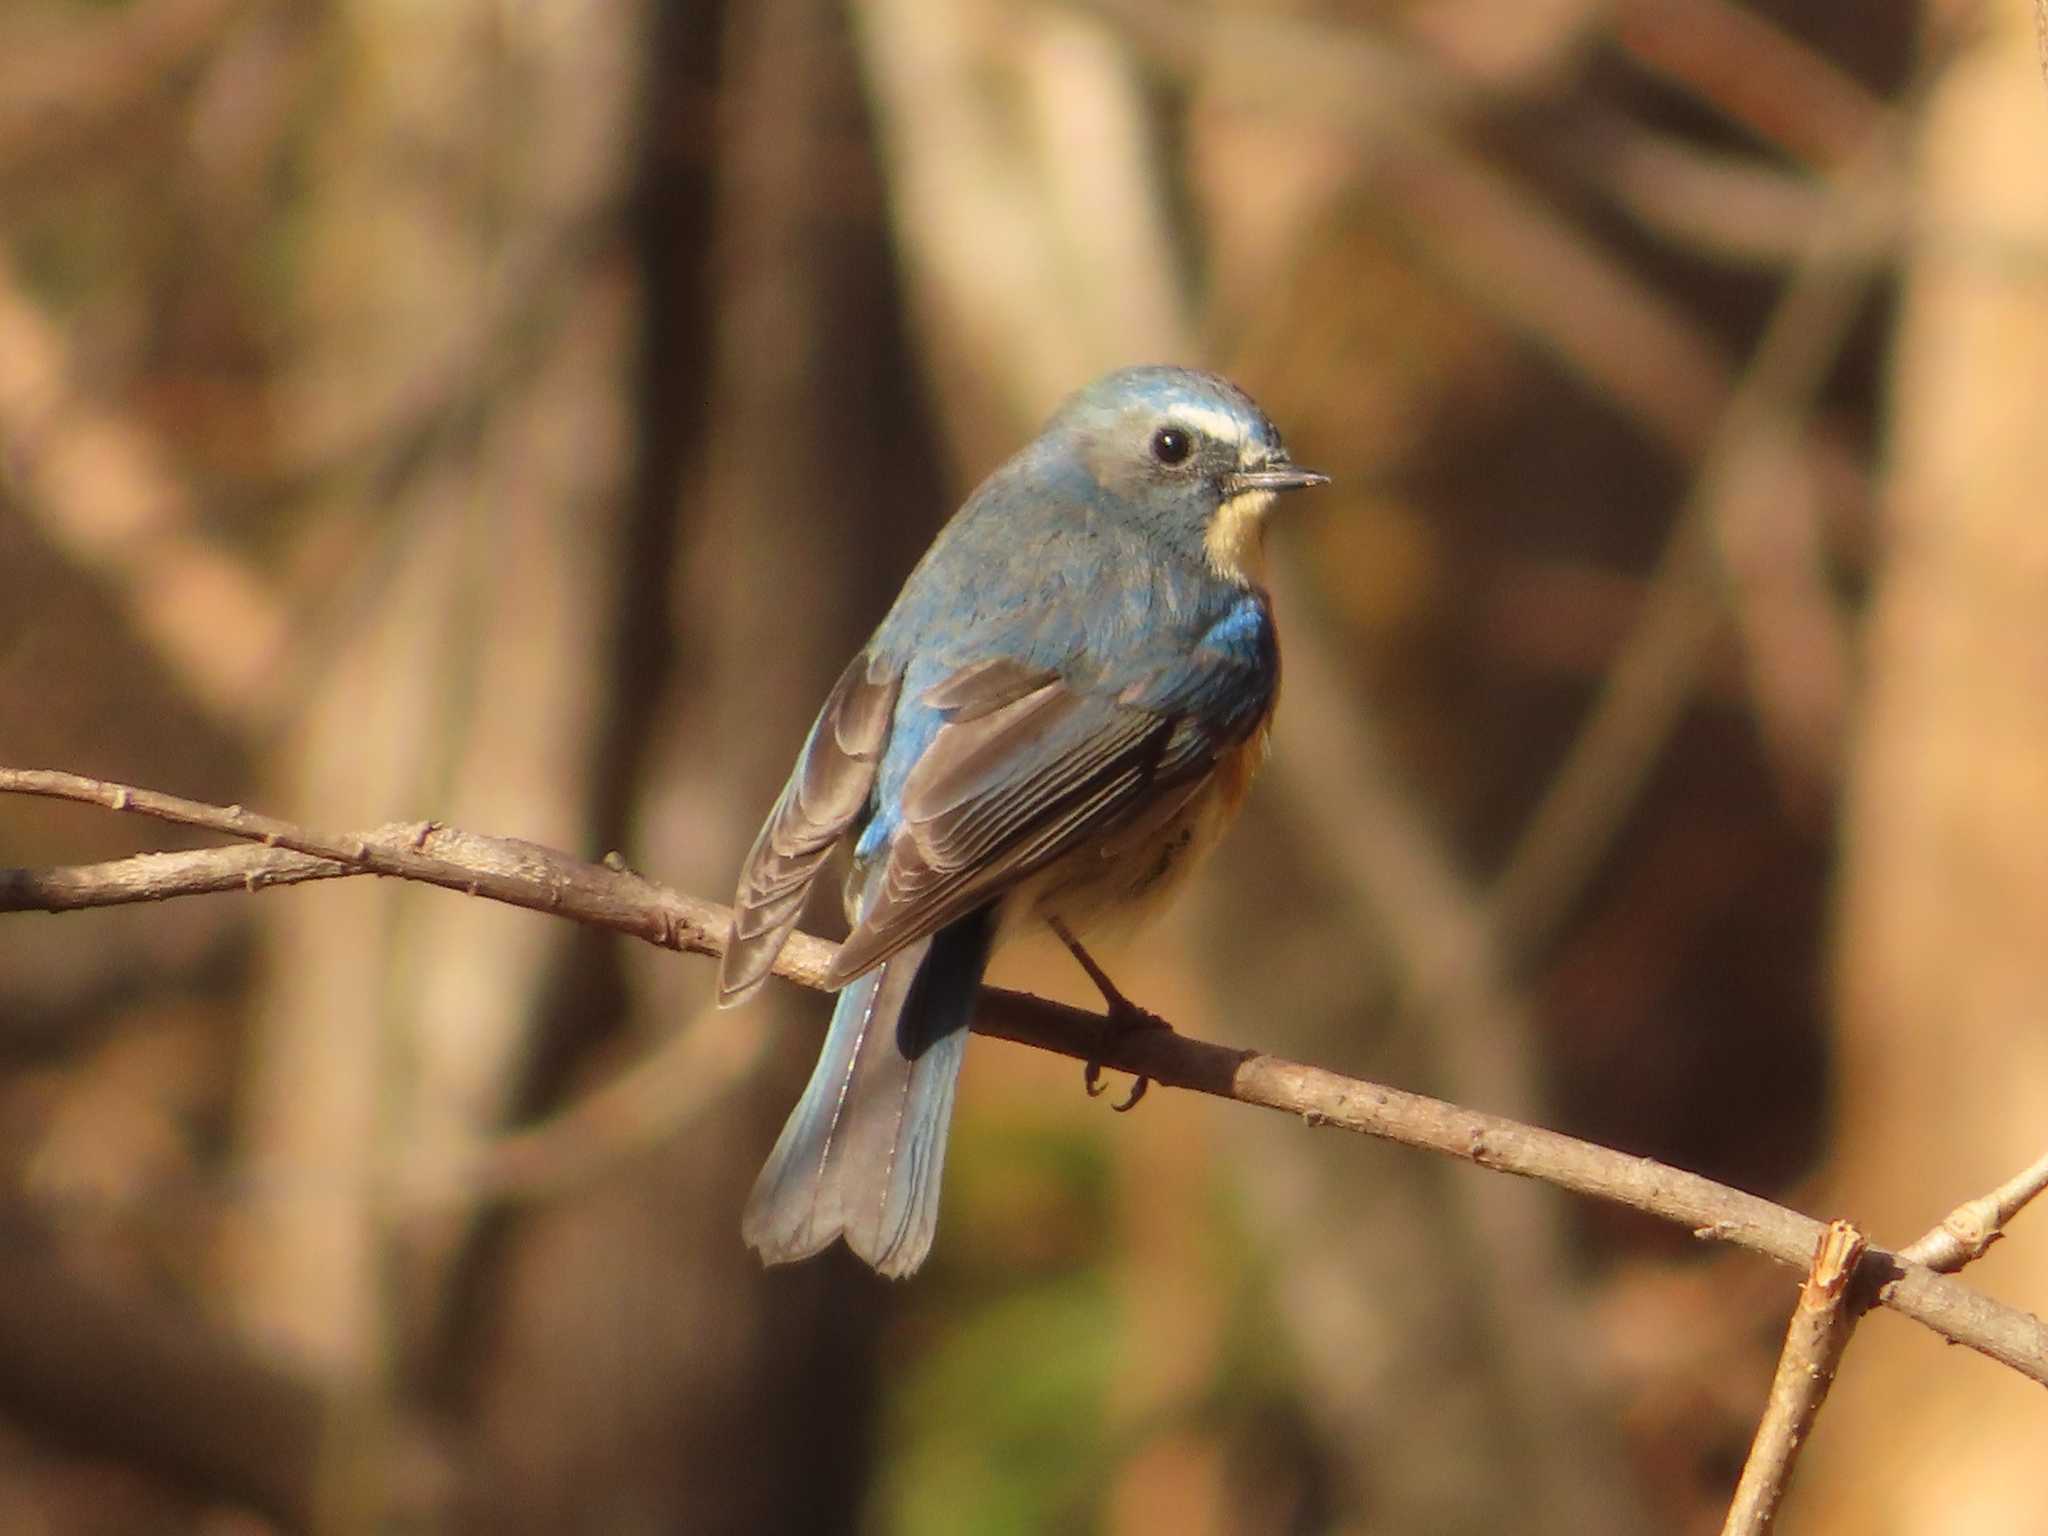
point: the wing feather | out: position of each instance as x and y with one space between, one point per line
826 792
1005 791
982 687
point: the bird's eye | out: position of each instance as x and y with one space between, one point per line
1171 445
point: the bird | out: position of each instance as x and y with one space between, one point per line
1058 716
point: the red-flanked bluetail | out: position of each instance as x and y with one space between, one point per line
1057 718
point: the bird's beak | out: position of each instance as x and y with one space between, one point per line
1272 477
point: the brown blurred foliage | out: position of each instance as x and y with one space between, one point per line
514 414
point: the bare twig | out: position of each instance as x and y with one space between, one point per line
1814 1341
521 874
1968 1231
540 879
155 876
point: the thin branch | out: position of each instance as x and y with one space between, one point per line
542 880
1814 1341
519 873
155 876
1968 1231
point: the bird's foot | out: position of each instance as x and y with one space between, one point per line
1122 1017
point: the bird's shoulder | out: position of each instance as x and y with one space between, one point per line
1058 583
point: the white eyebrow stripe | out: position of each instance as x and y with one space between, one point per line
1223 426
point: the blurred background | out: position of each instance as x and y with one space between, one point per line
513 412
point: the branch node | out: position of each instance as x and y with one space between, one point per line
1967 1232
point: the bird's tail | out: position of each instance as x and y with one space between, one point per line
862 1152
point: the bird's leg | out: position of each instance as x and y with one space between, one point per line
1123 1015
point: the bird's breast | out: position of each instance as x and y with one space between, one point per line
1120 880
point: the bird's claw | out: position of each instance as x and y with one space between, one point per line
1124 1016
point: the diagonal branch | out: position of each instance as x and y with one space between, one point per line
1814 1341
610 896
1967 1232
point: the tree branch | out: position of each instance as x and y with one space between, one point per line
1814 1341
506 869
609 896
1967 1232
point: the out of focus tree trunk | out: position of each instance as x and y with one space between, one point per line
640 1370
464 388
504 413
1943 940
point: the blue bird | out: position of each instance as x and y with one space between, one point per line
1059 715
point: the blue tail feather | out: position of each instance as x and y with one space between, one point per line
862 1153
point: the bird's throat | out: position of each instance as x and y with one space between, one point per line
1236 541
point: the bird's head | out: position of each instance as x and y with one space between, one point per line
1187 455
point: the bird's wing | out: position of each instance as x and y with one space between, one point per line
1024 766
827 790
